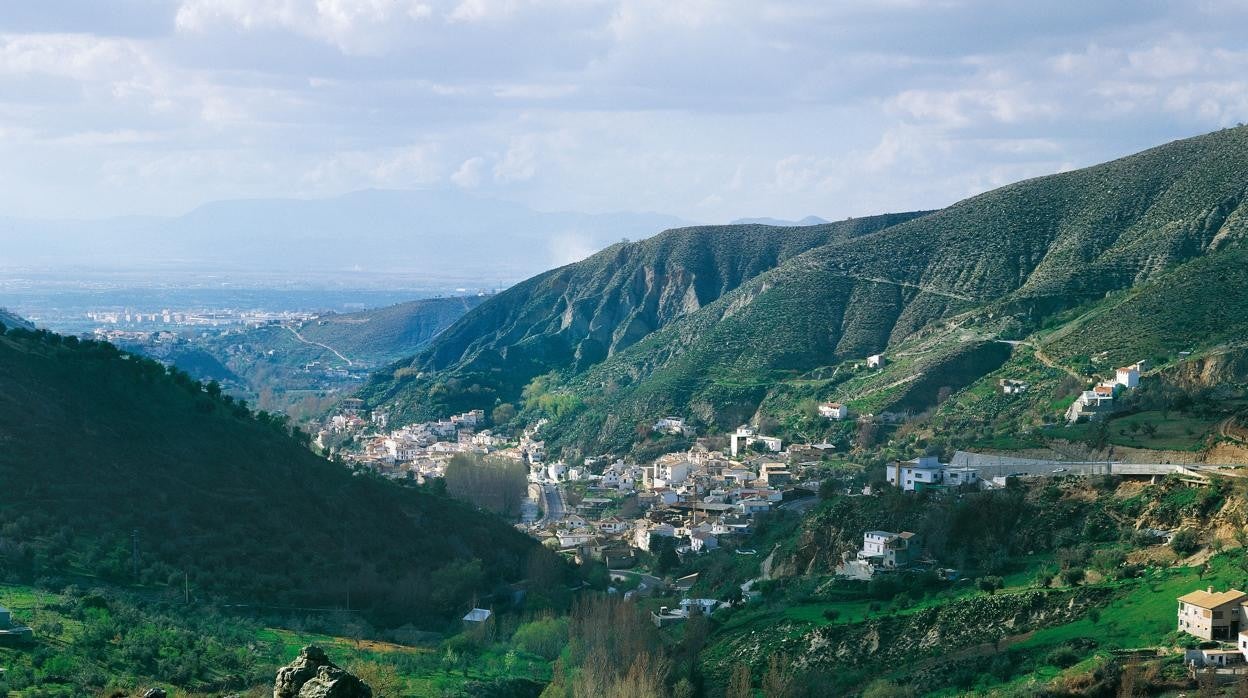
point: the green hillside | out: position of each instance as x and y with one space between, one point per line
1198 307
576 316
999 264
96 445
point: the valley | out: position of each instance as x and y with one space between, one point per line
982 450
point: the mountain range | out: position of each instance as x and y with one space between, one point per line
778 222
440 235
716 322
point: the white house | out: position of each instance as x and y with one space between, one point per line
671 425
916 474
704 606
889 550
702 542
1013 387
555 471
612 525
833 410
875 361
1129 376
672 473
754 505
644 530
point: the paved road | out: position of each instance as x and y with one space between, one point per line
552 504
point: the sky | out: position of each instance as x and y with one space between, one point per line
705 109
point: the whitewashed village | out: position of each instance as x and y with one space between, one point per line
687 503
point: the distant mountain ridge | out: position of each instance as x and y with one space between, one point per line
447 234
1003 261
778 222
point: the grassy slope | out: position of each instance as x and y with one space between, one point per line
1199 307
96 445
577 315
1014 256
798 614
107 639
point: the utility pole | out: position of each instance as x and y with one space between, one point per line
186 587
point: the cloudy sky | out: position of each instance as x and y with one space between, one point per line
707 109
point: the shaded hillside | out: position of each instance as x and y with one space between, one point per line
1002 261
8 319
95 444
576 316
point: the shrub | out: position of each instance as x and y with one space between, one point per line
545 637
1063 657
1185 542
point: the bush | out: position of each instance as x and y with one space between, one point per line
1063 657
545 637
1185 542
1072 576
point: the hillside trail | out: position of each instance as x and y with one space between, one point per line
1042 357
326 347
906 284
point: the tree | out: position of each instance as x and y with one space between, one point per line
1185 542
666 560
739 685
778 681
503 414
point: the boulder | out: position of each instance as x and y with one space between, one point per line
312 675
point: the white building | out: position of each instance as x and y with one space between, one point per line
928 471
1129 376
833 410
745 435
875 361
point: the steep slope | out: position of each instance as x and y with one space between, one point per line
10 320
1007 259
95 445
1199 307
576 316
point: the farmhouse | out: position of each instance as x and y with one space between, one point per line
833 410
875 361
1211 615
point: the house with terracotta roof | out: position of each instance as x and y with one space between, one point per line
1211 615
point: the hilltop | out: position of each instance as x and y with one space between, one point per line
99 445
576 316
936 289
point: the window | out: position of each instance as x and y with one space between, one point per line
1217 614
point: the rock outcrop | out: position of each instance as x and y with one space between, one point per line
312 675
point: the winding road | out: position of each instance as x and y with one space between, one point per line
318 344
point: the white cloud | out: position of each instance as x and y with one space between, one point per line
469 174
712 109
